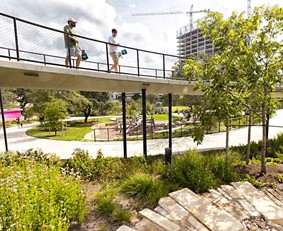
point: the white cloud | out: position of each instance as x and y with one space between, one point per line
97 18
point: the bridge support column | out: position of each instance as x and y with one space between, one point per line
3 122
124 124
144 122
170 119
168 151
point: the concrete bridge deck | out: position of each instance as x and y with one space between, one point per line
15 74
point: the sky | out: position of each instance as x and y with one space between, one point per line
96 18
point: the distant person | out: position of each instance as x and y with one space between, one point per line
18 122
72 41
113 50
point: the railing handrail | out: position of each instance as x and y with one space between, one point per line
87 38
92 62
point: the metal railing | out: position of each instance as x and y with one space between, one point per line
22 40
106 134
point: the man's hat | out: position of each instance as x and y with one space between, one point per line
71 20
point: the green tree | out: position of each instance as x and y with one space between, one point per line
54 113
9 99
100 103
131 106
247 68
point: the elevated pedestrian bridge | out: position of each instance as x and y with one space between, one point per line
15 74
33 56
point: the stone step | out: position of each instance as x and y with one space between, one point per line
234 209
125 228
249 208
230 190
159 220
272 196
226 195
164 213
147 225
277 194
213 218
265 206
180 215
173 208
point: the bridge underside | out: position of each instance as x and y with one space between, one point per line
15 74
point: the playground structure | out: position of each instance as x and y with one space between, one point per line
134 128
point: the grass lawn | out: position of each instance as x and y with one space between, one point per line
161 117
76 131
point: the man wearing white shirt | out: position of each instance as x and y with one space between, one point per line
113 50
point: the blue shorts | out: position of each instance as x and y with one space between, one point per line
74 51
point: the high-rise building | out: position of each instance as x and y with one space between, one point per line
191 43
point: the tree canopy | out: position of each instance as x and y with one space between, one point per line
247 67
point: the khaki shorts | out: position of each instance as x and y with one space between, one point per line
74 51
114 57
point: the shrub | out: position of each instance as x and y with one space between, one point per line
99 168
121 215
105 205
192 171
35 196
200 172
145 188
222 171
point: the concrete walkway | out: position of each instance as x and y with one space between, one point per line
19 141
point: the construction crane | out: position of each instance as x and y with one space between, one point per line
191 12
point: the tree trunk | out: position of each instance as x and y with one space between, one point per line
87 113
227 140
263 147
249 138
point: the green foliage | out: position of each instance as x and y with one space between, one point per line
191 171
106 206
35 196
200 172
100 168
121 215
145 188
274 149
245 71
19 158
54 113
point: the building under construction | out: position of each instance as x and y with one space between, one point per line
192 43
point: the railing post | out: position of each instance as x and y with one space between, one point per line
94 135
9 54
138 62
164 66
124 123
16 40
170 120
144 122
69 51
3 122
107 57
108 134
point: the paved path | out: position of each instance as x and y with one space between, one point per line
19 141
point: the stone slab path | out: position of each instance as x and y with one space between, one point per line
236 207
